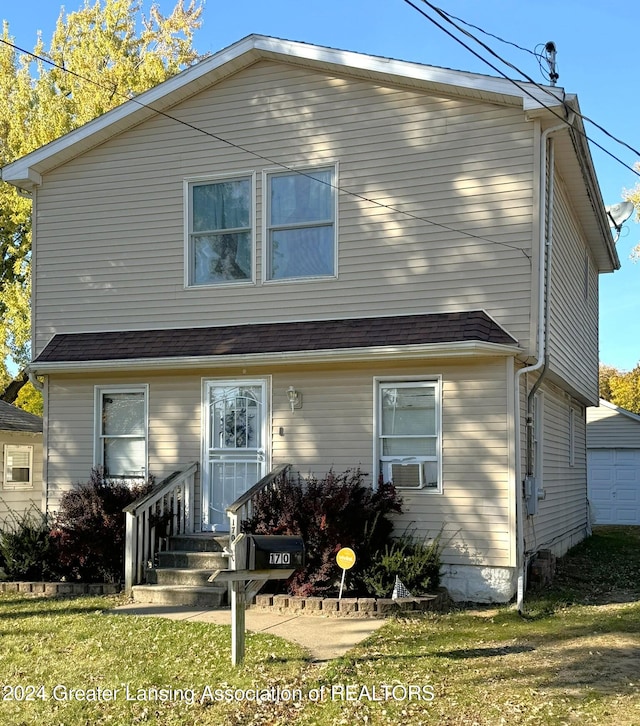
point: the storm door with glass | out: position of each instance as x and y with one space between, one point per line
234 445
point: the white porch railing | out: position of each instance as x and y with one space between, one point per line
169 506
242 508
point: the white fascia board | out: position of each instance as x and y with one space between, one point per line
25 172
128 114
464 349
544 95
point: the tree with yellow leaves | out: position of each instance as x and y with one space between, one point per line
622 388
100 55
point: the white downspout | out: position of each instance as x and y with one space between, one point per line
34 381
544 275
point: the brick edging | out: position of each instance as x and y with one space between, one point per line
353 607
61 588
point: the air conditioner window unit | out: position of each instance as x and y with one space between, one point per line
406 476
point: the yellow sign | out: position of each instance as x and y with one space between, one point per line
346 558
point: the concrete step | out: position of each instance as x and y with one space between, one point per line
202 542
193 560
210 597
178 576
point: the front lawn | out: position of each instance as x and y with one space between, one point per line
575 659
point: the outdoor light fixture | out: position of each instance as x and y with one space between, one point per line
295 398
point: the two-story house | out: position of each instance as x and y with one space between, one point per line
291 253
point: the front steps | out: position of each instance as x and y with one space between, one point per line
181 576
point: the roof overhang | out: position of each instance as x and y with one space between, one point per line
575 164
463 349
27 172
618 409
393 337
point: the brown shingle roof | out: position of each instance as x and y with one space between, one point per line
314 335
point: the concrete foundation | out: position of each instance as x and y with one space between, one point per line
470 583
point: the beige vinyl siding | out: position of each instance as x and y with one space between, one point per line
610 429
110 231
334 428
174 426
14 502
562 517
573 336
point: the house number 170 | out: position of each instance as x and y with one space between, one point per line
279 558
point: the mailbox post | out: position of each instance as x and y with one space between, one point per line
256 559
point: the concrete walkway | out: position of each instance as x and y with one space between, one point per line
324 638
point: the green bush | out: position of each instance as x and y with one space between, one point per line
26 549
89 530
339 510
416 563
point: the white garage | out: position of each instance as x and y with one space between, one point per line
613 464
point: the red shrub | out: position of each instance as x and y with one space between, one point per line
89 529
338 511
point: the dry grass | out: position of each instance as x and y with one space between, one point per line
575 659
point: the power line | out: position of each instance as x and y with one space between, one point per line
262 157
511 80
492 35
539 58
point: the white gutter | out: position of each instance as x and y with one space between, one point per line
430 350
544 278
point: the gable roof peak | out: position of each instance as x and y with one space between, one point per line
27 172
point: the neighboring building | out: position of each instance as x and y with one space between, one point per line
613 472
290 253
21 473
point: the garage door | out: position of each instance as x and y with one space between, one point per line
614 485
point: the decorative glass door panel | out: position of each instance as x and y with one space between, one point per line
234 451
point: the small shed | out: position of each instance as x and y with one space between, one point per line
613 464
21 463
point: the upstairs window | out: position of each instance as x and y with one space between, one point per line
18 467
409 434
220 234
121 431
300 224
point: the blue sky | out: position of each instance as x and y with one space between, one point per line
596 42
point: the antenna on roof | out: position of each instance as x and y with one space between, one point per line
550 57
618 215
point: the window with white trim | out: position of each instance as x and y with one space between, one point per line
300 224
220 231
121 431
18 466
409 433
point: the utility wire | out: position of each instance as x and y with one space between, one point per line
447 15
539 58
511 80
262 157
486 32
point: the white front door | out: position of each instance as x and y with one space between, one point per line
234 454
